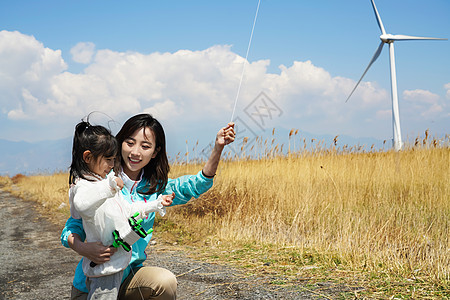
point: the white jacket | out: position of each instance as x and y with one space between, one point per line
102 209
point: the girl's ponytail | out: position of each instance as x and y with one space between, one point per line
95 138
81 127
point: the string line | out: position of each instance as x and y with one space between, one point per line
237 95
244 63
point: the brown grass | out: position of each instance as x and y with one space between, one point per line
381 217
50 191
383 214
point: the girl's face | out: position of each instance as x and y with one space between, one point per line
137 151
101 166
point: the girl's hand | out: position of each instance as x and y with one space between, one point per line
119 182
225 135
167 199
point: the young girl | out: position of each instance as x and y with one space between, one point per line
95 198
144 168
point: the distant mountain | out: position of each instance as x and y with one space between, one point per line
34 158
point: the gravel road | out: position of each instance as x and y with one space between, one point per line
34 265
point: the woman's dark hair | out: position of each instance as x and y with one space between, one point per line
97 139
156 172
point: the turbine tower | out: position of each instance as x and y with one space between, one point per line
390 39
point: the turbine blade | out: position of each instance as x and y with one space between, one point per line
401 37
380 23
374 58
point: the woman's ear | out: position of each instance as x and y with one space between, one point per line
156 152
87 156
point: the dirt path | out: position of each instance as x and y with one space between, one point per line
34 265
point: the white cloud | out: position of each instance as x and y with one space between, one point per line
315 101
447 87
83 52
420 96
166 110
25 64
424 103
29 101
188 85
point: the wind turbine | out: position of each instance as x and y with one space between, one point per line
390 39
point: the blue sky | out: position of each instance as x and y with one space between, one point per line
181 61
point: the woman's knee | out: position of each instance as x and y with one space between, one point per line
161 277
152 283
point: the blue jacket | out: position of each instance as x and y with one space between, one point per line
184 187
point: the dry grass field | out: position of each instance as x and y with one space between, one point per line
376 219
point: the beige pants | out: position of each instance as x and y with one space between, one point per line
146 283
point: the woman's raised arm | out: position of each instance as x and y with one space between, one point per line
224 137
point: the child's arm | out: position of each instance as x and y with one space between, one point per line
159 205
90 195
129 235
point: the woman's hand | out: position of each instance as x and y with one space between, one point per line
225 135
94 251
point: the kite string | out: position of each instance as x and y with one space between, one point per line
244 63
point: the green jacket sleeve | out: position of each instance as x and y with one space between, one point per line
72 226
188 187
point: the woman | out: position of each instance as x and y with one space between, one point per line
144 167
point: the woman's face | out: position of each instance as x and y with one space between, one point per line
137 151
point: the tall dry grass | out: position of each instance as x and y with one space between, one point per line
384 212
379 211
50 191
